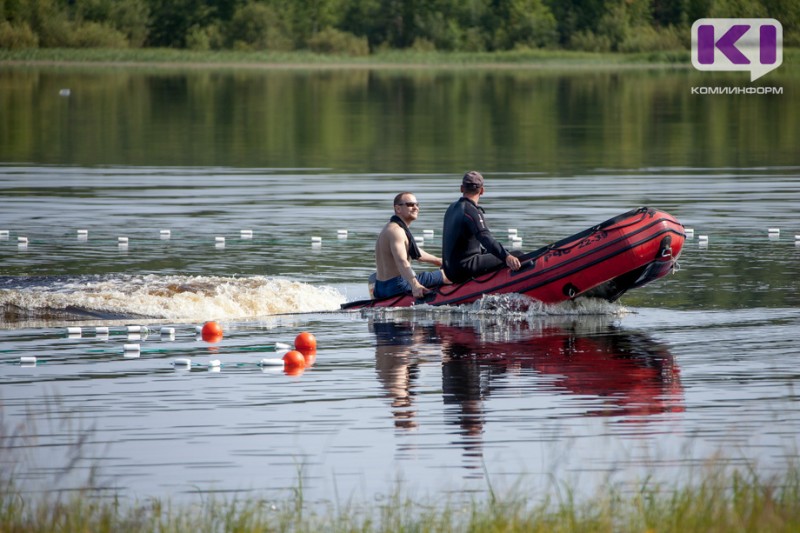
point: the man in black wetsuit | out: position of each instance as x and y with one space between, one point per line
468 247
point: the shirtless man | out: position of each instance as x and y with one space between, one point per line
394 250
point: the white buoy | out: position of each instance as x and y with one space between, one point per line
512 231
22 240
419 240
3 234
137 329
316 239
797 237
83 234
101 330
182 362
214 363
774 230
131 348
427 233
341 234
74 330
689 233
122 240
271 361
219 242
246 234
168 331
27 360
64 92
198 329
516 242
282 346
165 234
702 240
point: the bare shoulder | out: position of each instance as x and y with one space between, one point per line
394 230
390 234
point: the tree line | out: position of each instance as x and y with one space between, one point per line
361 27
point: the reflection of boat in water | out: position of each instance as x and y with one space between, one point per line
613 372
627 373
603 261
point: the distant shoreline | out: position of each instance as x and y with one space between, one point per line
168 58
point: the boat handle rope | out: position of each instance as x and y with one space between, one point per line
459 285
595 229
455 287
623 226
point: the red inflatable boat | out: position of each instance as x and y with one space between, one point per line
604 261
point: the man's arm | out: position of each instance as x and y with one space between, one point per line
425 257
478 227
399 248
487 240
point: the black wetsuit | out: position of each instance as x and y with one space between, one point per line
468 247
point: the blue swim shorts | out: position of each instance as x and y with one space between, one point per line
398 285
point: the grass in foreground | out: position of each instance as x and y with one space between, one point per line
719 502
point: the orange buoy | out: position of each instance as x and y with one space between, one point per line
211 332
293 360
305 342
294 371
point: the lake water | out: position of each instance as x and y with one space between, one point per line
697 366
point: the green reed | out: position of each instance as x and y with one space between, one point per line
720 500
397 58
717 498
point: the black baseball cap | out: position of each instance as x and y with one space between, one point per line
472 180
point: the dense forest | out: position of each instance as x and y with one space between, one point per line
360 27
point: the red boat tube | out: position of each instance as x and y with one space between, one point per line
604 261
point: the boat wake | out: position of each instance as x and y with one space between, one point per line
162 297
510 307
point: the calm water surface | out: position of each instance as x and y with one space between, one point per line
507 393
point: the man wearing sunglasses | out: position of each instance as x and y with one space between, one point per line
468 247
394 250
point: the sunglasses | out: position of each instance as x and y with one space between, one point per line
409 204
